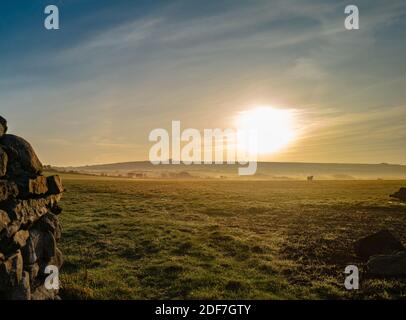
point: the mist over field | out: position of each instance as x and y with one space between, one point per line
265 171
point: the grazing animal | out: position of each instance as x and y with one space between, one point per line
310 178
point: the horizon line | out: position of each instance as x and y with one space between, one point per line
225 163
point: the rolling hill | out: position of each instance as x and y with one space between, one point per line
266 170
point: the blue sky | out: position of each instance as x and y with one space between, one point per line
92 91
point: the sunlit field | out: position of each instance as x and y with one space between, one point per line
160 239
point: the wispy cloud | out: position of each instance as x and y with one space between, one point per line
110 75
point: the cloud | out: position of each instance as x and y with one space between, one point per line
118 70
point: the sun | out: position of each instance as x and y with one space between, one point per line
273 127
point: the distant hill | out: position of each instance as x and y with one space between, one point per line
266 170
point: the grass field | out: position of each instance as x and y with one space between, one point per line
222 239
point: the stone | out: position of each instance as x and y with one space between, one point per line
42 293
388 265
4 220
382 242
38 185
23 290
3 162
27 212
56 209
33 271
20 238
28 252
50 222
3 126
8 190
55 185
41 248
11 271
33 187
57 259
18 241
22 158
400 195
46 247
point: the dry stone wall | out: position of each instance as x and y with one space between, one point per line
29 225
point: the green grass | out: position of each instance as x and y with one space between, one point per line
222 239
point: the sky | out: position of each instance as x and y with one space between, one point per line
92 91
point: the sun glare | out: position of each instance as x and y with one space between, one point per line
275 128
